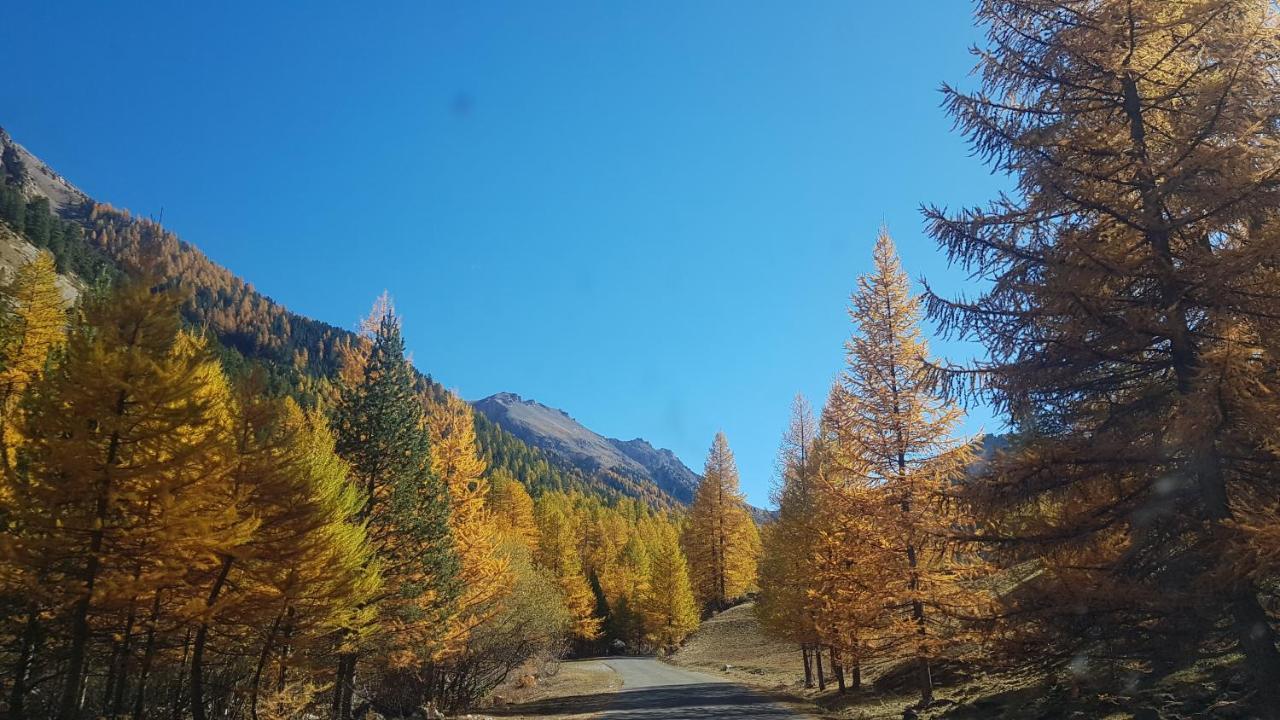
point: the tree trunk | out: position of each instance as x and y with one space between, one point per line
808 666
344 686
1252 628
178 693
267 646
348 688
69 707
202 636
839 669
817 658
338 675
28 642
113 663
148 654
926 683
73 686
115 700
285 639
856 675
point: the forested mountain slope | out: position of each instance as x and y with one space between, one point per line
90 240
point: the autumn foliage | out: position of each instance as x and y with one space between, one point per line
720 538
177 537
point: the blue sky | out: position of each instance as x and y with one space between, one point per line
648 214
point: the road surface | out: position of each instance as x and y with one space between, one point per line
653 690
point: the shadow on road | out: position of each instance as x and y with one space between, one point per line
706 701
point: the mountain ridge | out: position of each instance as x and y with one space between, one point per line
556 431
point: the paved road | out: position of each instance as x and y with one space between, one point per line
653 690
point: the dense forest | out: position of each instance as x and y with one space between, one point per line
181 540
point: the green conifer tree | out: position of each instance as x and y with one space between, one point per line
381 433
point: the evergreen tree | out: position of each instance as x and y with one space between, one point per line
1129 318
381 433
721 540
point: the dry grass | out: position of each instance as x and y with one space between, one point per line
733 638
567 679
1204 689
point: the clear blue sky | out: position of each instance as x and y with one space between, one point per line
648 214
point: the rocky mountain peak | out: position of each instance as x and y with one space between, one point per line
555 431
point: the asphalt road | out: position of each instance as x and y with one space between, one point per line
653 689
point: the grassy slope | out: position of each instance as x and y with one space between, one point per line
1207 689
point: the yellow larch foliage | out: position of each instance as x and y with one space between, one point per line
721 540
559 552
34 321
667 604
308 568
896 463
848 557
485 572
130 459
512 504
1139 244
786 562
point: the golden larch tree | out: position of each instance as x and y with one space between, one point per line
791 543
130 451
894 438
485 573
851 558
720 540
513 506
559 552
666 603
1141 245
33 322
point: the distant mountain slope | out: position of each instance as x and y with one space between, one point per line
556 432
667 469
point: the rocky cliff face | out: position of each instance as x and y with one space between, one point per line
15 252
667 470
37 179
